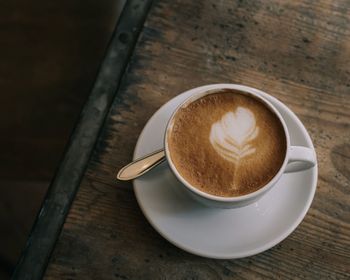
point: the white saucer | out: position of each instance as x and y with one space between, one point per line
221 233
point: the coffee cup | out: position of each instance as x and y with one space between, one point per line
228 146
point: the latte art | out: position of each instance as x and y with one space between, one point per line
226 143
231 135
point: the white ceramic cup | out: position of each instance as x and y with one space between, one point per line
297 158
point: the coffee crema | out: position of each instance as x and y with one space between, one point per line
227 143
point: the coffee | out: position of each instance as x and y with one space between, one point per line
227 143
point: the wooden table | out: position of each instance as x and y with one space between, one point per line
90 226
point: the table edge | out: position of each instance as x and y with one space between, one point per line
60 195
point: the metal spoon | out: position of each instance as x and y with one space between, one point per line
141 166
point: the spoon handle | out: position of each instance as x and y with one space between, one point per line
141 166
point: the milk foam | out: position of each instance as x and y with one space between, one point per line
231 135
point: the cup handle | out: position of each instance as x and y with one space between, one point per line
300 158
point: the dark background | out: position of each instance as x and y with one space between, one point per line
50 52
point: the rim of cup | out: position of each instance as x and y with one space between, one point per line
204 92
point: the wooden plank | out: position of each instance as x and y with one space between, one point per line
67 179
299 52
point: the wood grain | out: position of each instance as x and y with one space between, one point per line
299 51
